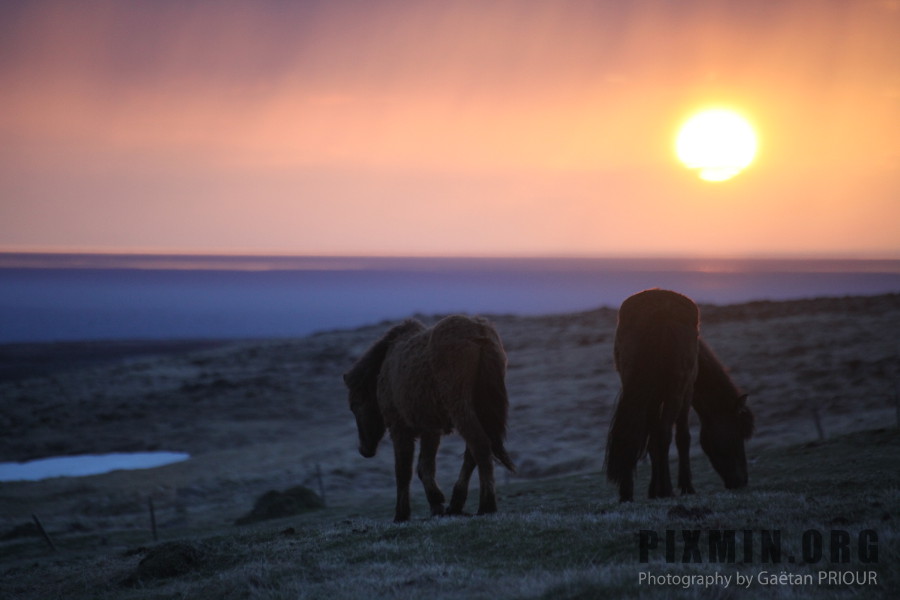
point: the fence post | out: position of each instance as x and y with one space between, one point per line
321 483
818 421
43 532
152 519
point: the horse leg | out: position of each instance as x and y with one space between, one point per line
626 487
660 479
683 443
660 440
461 487
484 459
404 449
426 470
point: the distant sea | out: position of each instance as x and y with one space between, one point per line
91 297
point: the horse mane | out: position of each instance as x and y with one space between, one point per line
716 394
363 375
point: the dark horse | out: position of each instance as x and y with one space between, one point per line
423 383
665 368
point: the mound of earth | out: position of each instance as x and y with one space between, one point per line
275 504
171 559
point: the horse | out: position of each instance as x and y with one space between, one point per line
420 382
666 368
655 350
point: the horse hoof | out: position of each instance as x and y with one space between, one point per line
437 510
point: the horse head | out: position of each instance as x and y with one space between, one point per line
722 439
369 422
362 383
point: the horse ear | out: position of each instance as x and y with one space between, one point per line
346 379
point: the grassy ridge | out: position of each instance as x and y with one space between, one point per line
556 538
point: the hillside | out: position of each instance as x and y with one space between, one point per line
270 414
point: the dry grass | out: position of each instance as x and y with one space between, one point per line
564 537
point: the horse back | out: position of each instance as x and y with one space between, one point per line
658 308
458 331
428 378
458 348
657 340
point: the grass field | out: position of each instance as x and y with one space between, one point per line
556 538
259 415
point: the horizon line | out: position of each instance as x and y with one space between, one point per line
172 261
246 253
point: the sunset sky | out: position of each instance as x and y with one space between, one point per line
524 127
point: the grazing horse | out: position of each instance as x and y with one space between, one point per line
422 383
656 346
725 420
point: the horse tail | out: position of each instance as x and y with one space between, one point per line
489 395
628 435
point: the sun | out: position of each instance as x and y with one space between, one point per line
717 143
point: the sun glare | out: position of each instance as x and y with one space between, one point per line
717 143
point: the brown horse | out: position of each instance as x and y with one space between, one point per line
656 345
423 383
665 369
